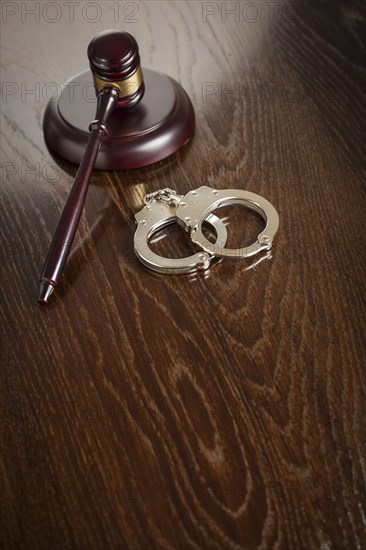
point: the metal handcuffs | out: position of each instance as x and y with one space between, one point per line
165 207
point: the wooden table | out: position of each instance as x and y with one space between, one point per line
224 410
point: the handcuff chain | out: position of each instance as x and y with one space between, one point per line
166 194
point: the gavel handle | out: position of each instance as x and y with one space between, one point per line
69 220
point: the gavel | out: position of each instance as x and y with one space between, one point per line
118 80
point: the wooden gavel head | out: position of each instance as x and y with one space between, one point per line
115 62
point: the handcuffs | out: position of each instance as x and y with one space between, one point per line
165 207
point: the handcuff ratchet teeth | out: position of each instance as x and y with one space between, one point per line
165 207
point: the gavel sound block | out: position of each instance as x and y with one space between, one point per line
138 117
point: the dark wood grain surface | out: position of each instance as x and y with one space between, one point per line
224 410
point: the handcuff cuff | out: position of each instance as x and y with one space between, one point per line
165 207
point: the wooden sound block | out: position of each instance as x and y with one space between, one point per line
161 123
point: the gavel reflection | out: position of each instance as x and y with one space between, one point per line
115 64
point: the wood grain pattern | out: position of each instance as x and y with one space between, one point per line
224 410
